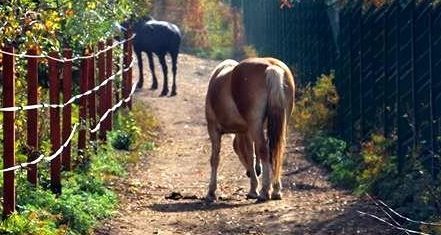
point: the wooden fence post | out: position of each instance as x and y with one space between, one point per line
109 87
83 108
102 93
129 62
67 111
8 131
92 97
32 116
124 83
54 97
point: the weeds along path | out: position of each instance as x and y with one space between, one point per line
180 164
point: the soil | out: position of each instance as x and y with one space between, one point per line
162 194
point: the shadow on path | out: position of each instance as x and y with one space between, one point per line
188 206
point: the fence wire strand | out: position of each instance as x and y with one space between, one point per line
117 105
42 156
63 59
392 225
72 99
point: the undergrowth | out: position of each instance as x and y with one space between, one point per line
85 199
371 168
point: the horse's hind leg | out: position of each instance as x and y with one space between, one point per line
262 153
165 72
243 146
174 57
215 138
152 69
277 188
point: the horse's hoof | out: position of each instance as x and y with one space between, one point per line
210 198
252 196
276 196
163 93
263 197
154 87
173 93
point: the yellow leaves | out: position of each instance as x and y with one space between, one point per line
375 157
91 5
51 21
315 108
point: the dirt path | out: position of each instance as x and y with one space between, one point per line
181 164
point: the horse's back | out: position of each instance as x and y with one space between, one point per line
221 109
158 37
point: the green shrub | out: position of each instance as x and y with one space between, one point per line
316 108
125 133
333 154
84 201
30 223
376 162
120 140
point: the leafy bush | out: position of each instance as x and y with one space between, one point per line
208 29
120 140
84 201
376 162
333 154
126 131
316 107
31 223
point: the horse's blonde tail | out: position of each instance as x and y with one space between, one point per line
276 117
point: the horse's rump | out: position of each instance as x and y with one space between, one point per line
220 107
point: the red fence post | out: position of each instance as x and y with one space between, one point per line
109 101
8 131
102 93
124 86
83 107
32 116
129 61
54 97
67 110
92 97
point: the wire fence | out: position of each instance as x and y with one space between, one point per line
388 77
96 96
387 61
300 36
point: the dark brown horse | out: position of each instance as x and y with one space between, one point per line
160 38
242 98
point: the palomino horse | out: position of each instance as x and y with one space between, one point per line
242 98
